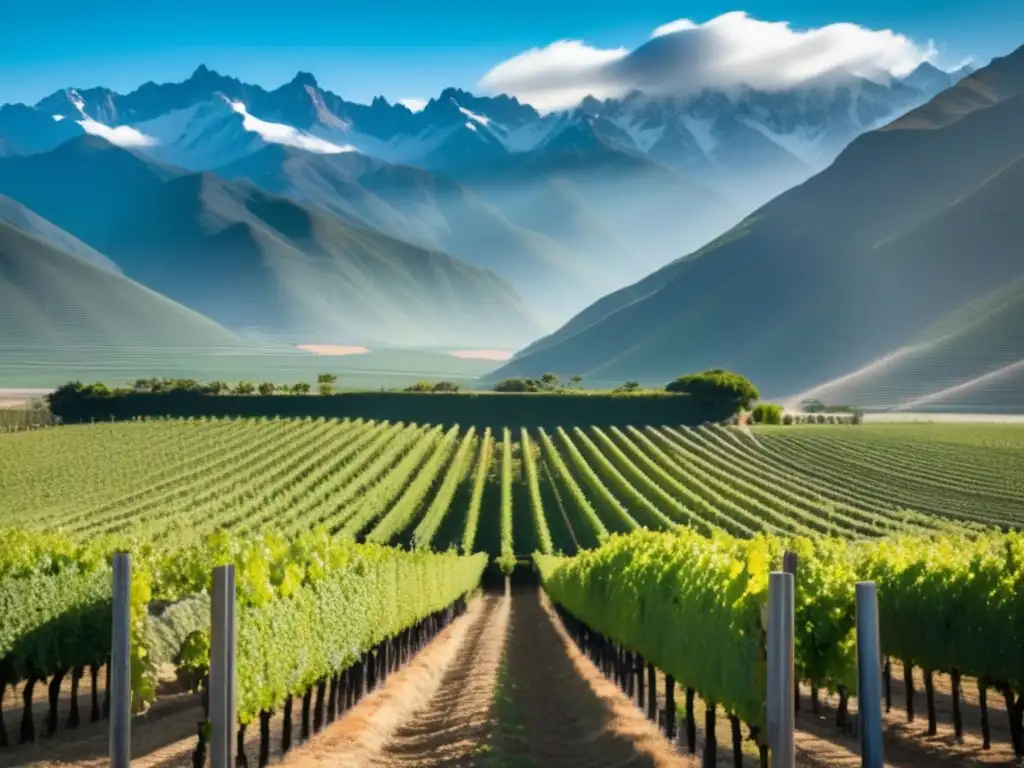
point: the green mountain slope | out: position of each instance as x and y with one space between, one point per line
905 227
972 359
256 262
51 299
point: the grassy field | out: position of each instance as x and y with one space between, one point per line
507 493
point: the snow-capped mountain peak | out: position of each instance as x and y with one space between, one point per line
211 119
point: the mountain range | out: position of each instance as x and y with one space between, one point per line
259 263
814 238
536 198
894 274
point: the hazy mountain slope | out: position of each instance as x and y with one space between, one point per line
258 261
20 217
830 275
657 211
429 210
50 299
254 261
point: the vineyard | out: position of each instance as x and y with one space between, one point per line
508 494
328 520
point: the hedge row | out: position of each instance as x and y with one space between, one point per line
466 409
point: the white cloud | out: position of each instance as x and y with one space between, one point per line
413 105
683 56
122 135
673 26
556 76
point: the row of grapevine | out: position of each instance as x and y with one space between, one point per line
633 502
426 530
711 508
55 618
404 511
376 498
476 499
532 473
952 604
613 514
821 519
689 604
328 509
877 481
507 557
643 483
307 607
728 457
586 524
333 602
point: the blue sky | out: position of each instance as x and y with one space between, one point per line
405 48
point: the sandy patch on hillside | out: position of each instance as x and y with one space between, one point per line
499 355
333 350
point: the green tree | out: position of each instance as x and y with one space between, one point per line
576 381
244 388
629 386
302 388
446 386
549 381
721 393
216 388
766 413
325 383
420 386
266 388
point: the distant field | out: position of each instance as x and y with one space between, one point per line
507 493
23 368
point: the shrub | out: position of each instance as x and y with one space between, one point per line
516 385
788 419
767 413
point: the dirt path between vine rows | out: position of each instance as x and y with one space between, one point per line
515 693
